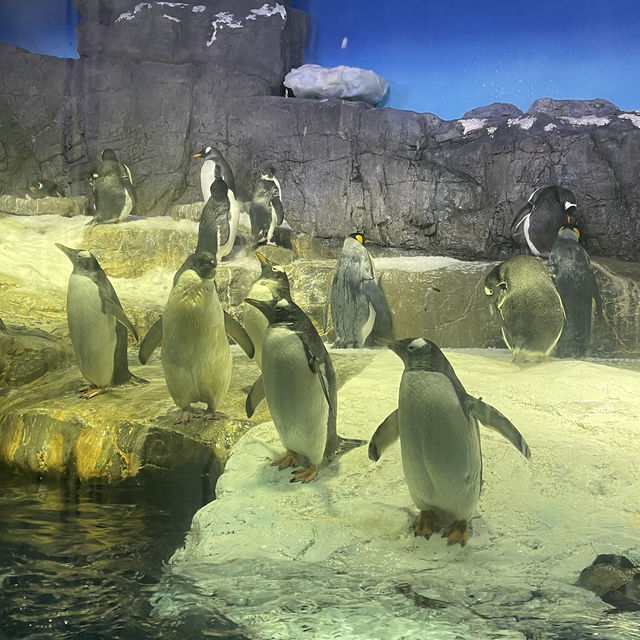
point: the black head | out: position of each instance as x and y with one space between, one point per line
83 261
109 154
218 188
275 310
268 172
569 233
202 262
274 272
206 153
419 353
358 235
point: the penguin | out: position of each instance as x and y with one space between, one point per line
529 306
358 306
43 189
570 268
538 222
97 325
437 423
195 353
265 211
214 164
214 231
300 389
114 196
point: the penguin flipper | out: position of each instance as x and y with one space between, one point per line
276 203
116 310
150 341
254 397
492 418
237 333
387 433
521 216
374 295
224 229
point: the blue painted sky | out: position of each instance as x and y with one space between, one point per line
440 56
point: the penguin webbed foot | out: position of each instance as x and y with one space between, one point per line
184 416
459 533
307 474
426 524
288 460
91 391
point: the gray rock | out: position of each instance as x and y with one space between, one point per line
573 108
494 110
66 207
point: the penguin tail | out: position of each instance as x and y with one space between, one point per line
344 445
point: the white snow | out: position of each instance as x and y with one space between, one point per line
426 263
585 121
130 15
164 15
337 559
472 124
225 19
491 130
522 122
550 127
267 10
198 8
633 117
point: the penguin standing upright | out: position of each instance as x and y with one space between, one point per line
97 324
300 389
538 222
213 230
529 307
266 211
195 353
437 422
114 197
358 306
43 188
570 268
215 164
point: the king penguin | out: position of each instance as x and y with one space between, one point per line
97 324
529 306
570 268
114 197
215 164
358 306
266 211
214 231
538 222
195 353
300 389
437 422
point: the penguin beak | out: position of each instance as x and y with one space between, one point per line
197 155
70 253
258 304
262 258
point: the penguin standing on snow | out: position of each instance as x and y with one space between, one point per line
300 389
97 325
114 197
570 268
358 306
437 422
528 305
195 353
266 211
538 222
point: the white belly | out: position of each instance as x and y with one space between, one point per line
207 176
440 446
294 394
92 332
196 358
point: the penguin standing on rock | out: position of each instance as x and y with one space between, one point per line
266 211
570 268
300 389
214 231
195 353
358 306
529 307
97 325
538 222
114 197
43 189
437 422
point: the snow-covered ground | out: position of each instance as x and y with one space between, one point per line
337 559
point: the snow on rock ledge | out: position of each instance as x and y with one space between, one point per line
348 83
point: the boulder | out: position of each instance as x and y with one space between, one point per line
67 207
574 108
493 111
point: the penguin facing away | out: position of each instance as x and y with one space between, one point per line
300 389
538 221
437 423
265 211
570 268
114 196
97 325
195 353
214 230
43 188
358 306
528 305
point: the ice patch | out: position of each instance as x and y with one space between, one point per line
550 127
172 4
266 10
130 15
164 15
491 130
586 121
472 124
224 20
198 9
523 123
634 118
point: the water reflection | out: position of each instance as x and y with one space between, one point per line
79 561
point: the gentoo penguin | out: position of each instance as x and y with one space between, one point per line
214 164
273 284
44 189
97 324
570 268
195 353
358 306
300 389
437 422
538 222
114 197
266 211
213 231
530 309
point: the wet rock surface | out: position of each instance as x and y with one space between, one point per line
615 579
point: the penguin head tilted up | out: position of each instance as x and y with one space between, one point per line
277 310
202 262
275 277
83 261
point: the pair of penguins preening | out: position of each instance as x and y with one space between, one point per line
436 419
545 307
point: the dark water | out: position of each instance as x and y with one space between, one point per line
81 561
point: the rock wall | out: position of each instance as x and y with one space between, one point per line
156 81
